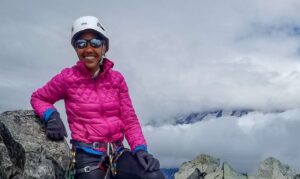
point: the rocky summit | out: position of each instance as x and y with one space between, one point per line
208 167
25 151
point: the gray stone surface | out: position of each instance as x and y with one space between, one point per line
229 172
197 174
274 169
218 174
25 152
270 168
204 163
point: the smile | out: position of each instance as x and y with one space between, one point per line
89 57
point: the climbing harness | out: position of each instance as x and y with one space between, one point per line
113 152
113 155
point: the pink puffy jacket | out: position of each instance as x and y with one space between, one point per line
98 110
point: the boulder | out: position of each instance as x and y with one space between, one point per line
204 163
197 174
273 168
208 167
229 172
218 174
225 171
25 151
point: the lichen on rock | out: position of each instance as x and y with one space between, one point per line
25 151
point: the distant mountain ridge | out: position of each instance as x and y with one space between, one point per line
206 115
199 116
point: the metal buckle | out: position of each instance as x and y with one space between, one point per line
96 145
87 169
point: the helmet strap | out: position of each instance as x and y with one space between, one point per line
101 60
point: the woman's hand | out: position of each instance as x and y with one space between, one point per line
55 129
147 161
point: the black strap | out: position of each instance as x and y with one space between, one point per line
95 145
86 169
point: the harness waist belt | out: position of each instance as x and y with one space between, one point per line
96 145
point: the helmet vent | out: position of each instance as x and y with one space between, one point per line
99 25
84 23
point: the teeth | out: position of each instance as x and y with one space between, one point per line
89 58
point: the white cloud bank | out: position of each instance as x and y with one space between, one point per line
242 142
177 57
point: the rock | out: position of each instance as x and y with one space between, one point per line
197 174
297 176
229 172
225 172
218 174
273 168
25 152
204 163
205 166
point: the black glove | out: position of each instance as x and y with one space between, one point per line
55 129
147 161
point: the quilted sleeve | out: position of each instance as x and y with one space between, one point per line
42 100
133 130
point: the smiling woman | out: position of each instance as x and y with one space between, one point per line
99 110
91 50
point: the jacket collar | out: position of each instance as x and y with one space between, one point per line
107 65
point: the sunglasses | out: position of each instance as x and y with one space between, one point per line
82 43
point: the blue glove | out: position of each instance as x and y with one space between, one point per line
55 129
147 161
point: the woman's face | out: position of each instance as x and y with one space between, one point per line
90 55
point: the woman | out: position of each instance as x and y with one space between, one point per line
99 110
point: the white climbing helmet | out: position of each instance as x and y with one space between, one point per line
88 23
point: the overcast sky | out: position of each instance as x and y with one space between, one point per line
177 57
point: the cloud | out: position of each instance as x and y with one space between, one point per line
176 57
197 55
243 142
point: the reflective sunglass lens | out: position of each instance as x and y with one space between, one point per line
96 43
81 44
